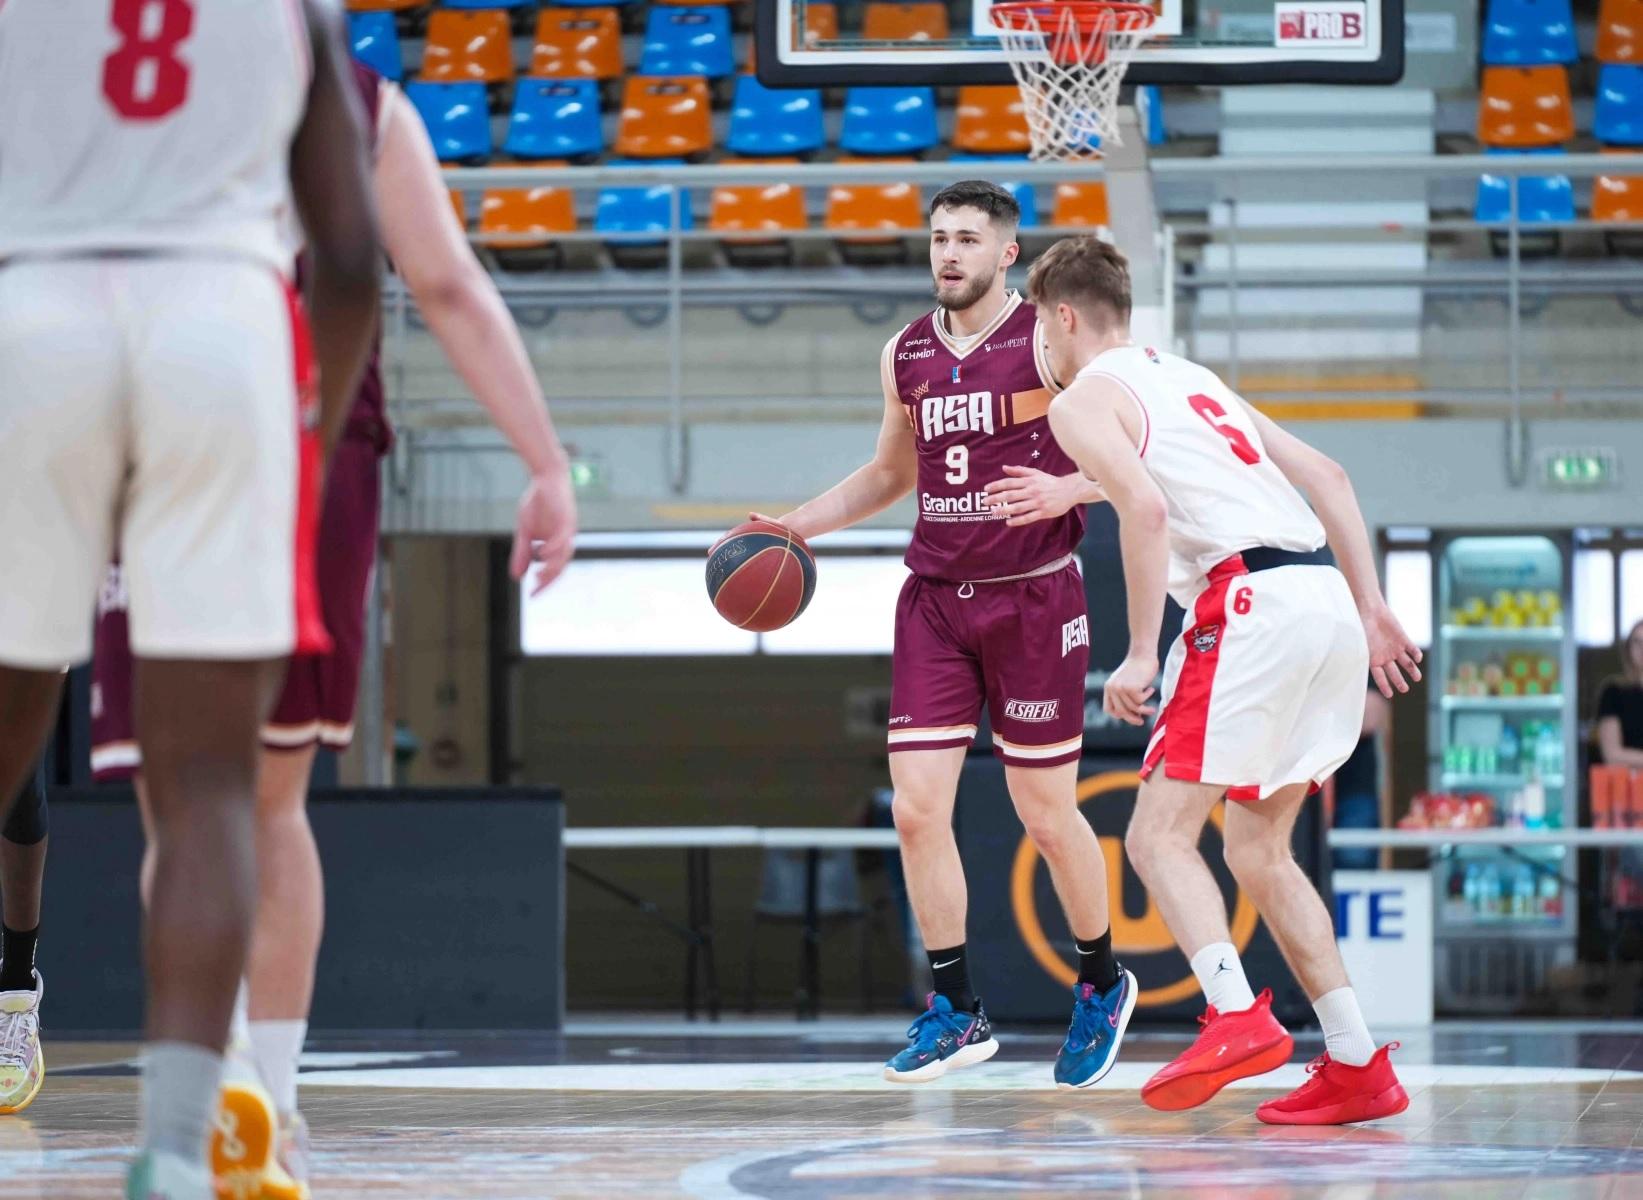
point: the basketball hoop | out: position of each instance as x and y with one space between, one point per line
1069 58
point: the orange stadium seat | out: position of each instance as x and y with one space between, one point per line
468 47
1081 205
890 211
665 116
577 43
889 22
384 5
1525 106
751 218
527 220
990 120
1620 198
1620 31
459 205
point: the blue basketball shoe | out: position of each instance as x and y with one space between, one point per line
942 1038
1099 1021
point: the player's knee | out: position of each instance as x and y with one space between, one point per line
1140 844
919 816
1045 826
1252 859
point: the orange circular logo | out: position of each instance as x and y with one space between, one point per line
1143 935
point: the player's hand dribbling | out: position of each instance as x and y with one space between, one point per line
1027 494
1392 652
545 529
1128 689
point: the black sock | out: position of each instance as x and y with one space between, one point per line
952 977
1096 964
17 959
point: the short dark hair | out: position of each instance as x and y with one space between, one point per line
1085 272
991 199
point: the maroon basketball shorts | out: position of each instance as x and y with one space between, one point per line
1022 647
316 705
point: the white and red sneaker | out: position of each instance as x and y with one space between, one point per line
1338 1094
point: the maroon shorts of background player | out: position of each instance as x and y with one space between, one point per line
316 705
1021 647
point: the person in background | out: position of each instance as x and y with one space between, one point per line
1358 785
1620 708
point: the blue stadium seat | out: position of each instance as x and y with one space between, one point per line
458 119
1619 120
1541 198
889 120
375 42
627 210
555 118
770 122
688 41
1023 192
1529 33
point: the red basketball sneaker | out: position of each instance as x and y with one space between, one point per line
1233 1045
1337 1094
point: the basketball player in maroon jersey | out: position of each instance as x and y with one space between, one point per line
993 613
316 706
157 390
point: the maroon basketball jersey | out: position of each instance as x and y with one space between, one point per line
368 417
974 411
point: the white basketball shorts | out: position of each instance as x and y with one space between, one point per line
160 407
1266 685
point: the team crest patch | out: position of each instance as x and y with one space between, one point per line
1204 639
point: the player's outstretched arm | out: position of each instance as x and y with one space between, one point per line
869 489
1026 494
332 189
1092 422
473 326
1392 654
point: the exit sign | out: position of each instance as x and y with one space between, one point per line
1580 470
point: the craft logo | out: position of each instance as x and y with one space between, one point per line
1032 710
1204 639
1322 23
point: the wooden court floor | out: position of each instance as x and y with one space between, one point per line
796 1114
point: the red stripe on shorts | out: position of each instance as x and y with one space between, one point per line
1189 706
310 625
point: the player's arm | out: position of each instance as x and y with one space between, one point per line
869 489
1026 494
1096 423
331 186
1391 652
474 328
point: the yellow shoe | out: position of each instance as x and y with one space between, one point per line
287 1177
242 1137
22 1064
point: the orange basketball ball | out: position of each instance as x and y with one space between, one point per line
760 576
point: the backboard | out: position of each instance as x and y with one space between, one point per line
809 43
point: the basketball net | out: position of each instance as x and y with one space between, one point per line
1069 59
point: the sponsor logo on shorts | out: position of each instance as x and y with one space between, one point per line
1204 639
901 720
1034 711
1075 633
1321 23
111 594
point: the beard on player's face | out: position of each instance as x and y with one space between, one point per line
960 294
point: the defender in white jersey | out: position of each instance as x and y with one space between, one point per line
157 396
1263 692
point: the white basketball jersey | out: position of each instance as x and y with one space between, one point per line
1202 449
149 125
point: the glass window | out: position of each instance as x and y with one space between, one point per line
627 606
1594 597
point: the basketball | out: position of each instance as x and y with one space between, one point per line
760 576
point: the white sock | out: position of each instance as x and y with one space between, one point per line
1346 1036
277 1045
239 1025
180 1084
1221 976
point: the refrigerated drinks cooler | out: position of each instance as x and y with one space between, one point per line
1502 729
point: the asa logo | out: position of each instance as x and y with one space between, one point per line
971 412
1075 633
1321 23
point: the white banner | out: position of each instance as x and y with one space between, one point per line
1383 921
